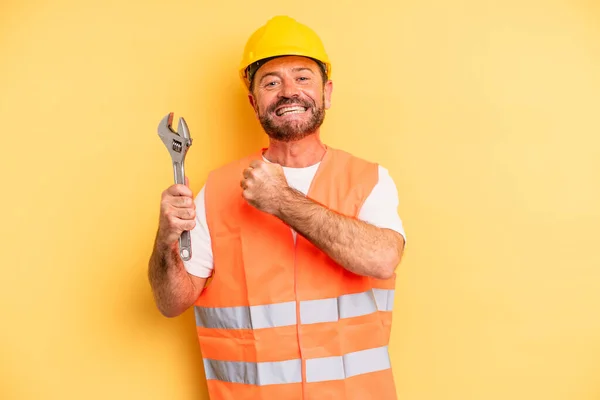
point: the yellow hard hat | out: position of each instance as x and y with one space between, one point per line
281 36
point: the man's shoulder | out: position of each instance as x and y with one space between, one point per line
365 162
348 156
348 161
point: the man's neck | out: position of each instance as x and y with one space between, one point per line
298 154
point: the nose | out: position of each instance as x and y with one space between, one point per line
289 88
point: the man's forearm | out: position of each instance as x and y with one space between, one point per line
171 285
356 245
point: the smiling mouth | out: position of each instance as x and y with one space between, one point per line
290 110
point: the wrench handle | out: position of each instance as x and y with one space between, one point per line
185 246
179 173
185 242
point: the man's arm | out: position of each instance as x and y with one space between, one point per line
356 245
174 289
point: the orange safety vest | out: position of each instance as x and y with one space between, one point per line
281 320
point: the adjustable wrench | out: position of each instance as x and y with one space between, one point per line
178 144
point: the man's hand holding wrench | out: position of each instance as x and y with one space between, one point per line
177 207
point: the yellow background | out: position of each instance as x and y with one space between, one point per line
486 113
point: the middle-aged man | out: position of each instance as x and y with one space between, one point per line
299 242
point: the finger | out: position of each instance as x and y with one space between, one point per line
247 172
183 213
175 226
244 184
180 201
256 163
179 190
171 226
275 167
189 225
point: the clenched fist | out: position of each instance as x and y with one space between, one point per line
177 214
263 185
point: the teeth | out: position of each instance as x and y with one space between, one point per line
291 110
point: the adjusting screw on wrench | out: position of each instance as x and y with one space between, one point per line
178 144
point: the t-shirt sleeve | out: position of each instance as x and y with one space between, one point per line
201 263
381 206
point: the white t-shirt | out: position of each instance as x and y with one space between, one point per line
379 209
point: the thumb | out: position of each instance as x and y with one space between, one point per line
187 182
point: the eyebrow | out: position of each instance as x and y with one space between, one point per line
276 74
298 69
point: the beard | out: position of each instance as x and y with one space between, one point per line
289 131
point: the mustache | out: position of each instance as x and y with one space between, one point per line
284 101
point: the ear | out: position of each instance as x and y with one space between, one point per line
327 90
252 101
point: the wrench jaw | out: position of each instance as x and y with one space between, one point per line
177 144
165 131
183 129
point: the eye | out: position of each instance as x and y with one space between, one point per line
270 84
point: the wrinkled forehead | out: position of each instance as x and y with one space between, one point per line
262 67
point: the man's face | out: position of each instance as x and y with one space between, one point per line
289 97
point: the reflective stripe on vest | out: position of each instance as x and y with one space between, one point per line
284 314
290 371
